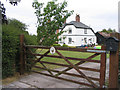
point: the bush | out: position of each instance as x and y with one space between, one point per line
72 46
64 45
10 44
10 47
8 54
56 45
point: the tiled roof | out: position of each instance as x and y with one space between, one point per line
77 25
104 34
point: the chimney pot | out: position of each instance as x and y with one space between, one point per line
77 18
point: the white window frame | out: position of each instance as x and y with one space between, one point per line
85 31
70 31
69 41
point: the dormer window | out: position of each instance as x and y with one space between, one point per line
85 31
70 31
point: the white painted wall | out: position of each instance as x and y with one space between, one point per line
77 36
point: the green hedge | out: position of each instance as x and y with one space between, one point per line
10 47
56 45
64 45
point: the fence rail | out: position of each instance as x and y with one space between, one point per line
69 49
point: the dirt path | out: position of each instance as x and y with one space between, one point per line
39 81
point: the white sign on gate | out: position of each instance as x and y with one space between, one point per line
52 50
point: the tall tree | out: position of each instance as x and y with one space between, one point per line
3 18
2 10
50 18
17 24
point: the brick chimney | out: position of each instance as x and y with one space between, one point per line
77 18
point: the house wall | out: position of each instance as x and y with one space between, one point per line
78 36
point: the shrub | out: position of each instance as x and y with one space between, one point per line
10 43
72 46
56 45
64 45
10 47
8 54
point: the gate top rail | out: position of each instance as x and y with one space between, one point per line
69 49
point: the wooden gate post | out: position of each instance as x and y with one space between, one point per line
113 65
22 63
102 68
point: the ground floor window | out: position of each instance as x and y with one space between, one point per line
90 41
93 39
85 40
69 40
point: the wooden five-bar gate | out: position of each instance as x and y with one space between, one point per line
91 80
69 65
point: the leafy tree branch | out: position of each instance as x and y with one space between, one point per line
50 18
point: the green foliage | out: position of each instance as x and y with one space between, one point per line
2 14
72 46
8 54
56 45
50 18
14 2
17 24
64 45
10 45
108 31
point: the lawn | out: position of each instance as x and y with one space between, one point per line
62 61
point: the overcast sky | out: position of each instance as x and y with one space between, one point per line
98 14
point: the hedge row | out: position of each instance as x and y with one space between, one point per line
10 46
64 45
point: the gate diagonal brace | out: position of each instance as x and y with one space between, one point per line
38 60
46 68
79 63
42 56
77 69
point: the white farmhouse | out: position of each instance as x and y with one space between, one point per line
77 34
